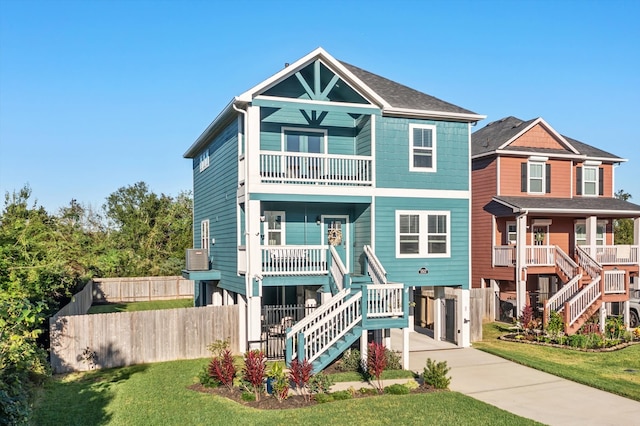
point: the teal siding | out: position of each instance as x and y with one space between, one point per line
214 194
449 271
361 236
363 135
392 145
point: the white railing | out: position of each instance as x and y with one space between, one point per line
566 264
374 268
384 300
326 325
588 263
504 255
337 269
614 282
556 302
308 168
294 260
579 304
541 255
613 255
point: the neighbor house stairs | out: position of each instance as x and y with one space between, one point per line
355 307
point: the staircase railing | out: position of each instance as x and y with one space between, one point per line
557 301
337 270
577 306
588 263
566 264
384 300
309 338
374 267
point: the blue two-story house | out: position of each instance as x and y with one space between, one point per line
323 197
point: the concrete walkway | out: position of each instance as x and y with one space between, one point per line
520 390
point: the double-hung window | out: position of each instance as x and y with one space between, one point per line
536 177
204 160
422 148
423 234
512 233
589 180
274 222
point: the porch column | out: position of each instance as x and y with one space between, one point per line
626 313
412 309
405 348
438 312
463 317
254 274
636 235
363 346
592 230
521 263
242 323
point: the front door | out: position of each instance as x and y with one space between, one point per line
336 233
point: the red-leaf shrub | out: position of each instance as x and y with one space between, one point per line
376 362
255 365
300 374
222 369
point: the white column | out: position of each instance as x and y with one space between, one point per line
636 235
603 317
592 229
438 312
254 273
216 295
363 347
463 317
405 348
626 313
252 152
412 308
521 263
242 323
254 322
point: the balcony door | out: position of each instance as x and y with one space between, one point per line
335 232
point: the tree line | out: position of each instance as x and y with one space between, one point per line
45 258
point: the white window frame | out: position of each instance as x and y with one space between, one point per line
596 182
323 132
543 178
204 160
423 233
434 146
204 234
600 241
268 230
508 233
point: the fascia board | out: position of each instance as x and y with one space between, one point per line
419 113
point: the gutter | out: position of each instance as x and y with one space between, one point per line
217 122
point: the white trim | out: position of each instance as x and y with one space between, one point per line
283 140
591 163
620 213
507 232
514 153
538 159
498 187
420 113
205 234
543 178
346 240
311 102
546 234
423 239
204 160
434 148
282 230
373 153
542 222
596 192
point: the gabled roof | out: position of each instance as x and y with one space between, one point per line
393 99
600 206
496 137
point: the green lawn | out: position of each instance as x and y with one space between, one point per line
616 372
157 394
140 306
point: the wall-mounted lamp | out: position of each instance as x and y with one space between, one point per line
318 220
263 218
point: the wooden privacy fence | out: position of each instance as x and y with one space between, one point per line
85 342
141 289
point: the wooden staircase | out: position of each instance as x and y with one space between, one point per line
338 323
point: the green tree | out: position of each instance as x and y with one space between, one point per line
623 228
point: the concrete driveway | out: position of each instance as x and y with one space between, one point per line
521 390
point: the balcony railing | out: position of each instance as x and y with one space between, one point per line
613 255
324 169
535 255
504 255
614 282
294 260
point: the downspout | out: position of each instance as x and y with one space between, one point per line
248 279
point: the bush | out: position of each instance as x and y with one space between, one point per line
248 396
222 368
279 381
614 328
205 378
341 395
555 325
300 374
435 374
394 362
253 372
368 391
397 389
376 362
320 383
411 384
351 361
321 398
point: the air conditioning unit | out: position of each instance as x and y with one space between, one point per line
197 260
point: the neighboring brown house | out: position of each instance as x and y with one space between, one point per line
543 209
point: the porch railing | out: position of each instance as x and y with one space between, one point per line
374 267
309 168
614 282
337 270
294 260
504 255
613 255
384 300
577 306
541 255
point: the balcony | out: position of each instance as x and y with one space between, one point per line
294 260
613 255
535 255
315 169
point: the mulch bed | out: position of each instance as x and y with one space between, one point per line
530 339
268 402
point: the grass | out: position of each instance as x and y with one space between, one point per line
140 306
157 394
616 372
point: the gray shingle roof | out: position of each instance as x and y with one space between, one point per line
493 135
400 96
578 204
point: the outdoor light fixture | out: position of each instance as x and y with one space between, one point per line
318 220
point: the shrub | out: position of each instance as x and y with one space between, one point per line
341 395
394 362
248 396
351 361
577 341
526 319
411 385
376 362
279 381
218 347
205 378
435 374
614 327
368 391
300 374
555 325
253 372
222 369
397 389
321 398
320 383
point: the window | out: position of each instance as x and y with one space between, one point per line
536 178
512 233
590 181
204 234
274 222
299 140
422 141
204 160
422 234
580 232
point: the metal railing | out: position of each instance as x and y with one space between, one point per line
294 260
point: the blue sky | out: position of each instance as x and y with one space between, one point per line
96 95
